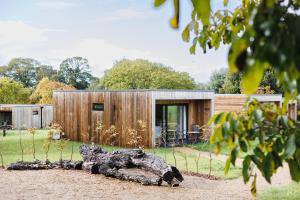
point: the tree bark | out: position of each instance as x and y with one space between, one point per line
38 165
120 164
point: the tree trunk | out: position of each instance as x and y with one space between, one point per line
122 164
38 165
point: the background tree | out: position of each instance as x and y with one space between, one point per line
13 92
143 74
231 84
43 71
217 79
76 72
43 92
22 70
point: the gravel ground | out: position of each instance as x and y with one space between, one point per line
63 184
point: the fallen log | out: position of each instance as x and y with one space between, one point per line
120 164
39 165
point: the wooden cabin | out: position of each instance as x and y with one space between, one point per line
170 116
171 110
22 116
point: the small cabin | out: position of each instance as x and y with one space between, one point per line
162 111
23 116
171 117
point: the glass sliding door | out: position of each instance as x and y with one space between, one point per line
172 118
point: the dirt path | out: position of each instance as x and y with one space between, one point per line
63 184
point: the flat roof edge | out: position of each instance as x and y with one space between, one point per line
137 90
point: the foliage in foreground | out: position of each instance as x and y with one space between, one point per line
266 136
262 34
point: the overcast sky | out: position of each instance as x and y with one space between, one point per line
101 31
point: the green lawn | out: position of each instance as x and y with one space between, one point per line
206 146
11 153
289 192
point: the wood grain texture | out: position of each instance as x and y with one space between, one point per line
73 111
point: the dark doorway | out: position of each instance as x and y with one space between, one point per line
172 121
6 116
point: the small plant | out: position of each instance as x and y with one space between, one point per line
86 138
21 145
184 156
32 131
46 147
173 152
135 136
1 153
197 163
61 144
72 150
99 130
112 135
210 161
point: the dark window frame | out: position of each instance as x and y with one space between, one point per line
96 108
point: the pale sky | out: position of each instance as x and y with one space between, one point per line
102 31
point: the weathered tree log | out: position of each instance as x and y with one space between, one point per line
120 164
38 165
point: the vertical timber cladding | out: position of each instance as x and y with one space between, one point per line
73 110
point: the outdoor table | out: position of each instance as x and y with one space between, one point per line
193 135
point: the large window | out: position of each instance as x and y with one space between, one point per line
171 117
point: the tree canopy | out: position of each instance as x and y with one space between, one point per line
143 74
13 92
43 92
225 82
75 71
27 70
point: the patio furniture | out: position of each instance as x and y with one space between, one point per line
194 134
5 127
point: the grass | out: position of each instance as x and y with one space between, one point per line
207 147
289 192
11 153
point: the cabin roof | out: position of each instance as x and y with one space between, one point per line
138 90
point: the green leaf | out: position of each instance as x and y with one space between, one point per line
245 171
290 146
252 77
225 2
193 49
294 170
233 155
227 165
253 186
202 8
243 145
186 34
268 167
158 3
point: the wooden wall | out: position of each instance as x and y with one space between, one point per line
23 118
73 111
229 103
